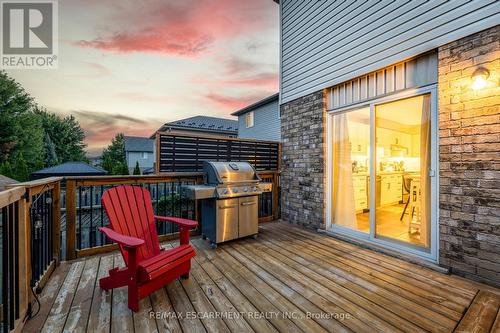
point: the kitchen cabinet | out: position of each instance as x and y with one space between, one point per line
391 186
359 138
387 138
360 186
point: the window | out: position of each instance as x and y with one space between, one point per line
249 119
144 155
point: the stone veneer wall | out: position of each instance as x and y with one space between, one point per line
303 177
469 130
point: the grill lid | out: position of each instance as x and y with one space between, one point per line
228 172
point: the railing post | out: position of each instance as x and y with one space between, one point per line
276 195
24 255
70 219
56 222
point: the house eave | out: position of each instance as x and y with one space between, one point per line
256 105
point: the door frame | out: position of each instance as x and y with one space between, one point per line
432 254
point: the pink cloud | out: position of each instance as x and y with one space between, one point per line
231 103
99 69
162 39
268 81
143 97
180 28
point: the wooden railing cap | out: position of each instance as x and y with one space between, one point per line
38 182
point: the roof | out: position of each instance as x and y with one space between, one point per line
148 171
4 181
136 143
71 168
256 105
204 123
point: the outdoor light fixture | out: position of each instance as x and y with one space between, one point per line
480 78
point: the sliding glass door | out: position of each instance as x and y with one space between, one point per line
351 164
380 165
402 154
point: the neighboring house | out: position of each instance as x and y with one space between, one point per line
95 161
261 120
68 169
5 181
390 128
142 150
202 126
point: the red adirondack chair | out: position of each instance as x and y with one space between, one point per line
148 267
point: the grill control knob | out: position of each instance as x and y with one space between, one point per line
254 188
235 190
245 189
225 191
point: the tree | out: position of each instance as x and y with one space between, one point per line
67 135
32 138
6 169
20 170
21 131
51 158
120 169
113 157
137 169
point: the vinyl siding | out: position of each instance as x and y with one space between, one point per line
324 43
267 124
417 72
133 157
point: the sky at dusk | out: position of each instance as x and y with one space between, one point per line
130 66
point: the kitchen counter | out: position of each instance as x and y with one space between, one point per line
381 173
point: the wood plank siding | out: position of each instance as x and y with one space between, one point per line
324 43
288 280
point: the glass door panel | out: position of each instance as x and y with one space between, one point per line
402 182
350 181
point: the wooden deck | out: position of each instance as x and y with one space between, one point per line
288 280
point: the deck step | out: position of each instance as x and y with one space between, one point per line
483 315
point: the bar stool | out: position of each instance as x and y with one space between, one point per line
414 215
406 186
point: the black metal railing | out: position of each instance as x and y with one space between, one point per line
82 213
42 251
9 232
90 214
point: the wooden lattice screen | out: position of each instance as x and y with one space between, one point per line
177 153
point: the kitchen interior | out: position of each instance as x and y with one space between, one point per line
398 195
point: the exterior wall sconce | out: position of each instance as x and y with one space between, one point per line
480 78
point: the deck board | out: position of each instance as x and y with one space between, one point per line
287 280
481 315
100 310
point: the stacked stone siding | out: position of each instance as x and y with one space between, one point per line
469 147
303 177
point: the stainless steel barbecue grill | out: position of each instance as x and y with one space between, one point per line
229 200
